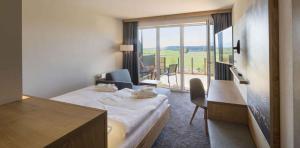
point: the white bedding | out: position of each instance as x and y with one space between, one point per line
139 133
125 113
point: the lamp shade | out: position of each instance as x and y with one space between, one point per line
126 47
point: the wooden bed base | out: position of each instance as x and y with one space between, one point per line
155 131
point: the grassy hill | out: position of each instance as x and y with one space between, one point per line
198 55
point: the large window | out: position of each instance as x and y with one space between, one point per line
175 54
147 54
195 53
170 57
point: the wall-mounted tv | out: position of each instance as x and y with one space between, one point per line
223 44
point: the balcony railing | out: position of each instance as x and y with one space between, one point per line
191 66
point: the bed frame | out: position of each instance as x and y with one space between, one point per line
155 131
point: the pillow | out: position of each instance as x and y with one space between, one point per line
145 93
120 85
106 88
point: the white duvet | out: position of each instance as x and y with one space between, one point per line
123 109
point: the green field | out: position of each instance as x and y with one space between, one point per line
172 56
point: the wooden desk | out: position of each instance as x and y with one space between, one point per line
33 123
226 103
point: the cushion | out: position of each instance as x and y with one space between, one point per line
106 87
121 75
162 91
120 85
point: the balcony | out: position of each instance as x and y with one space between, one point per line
193 68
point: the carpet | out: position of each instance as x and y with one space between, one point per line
178 133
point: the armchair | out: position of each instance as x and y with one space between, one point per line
121 78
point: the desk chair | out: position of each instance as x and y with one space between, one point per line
198 98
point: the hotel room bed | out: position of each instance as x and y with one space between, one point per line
131 122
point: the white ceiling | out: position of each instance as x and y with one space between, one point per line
125 9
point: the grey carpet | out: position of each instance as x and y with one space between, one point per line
178 133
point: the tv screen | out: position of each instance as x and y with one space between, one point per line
223 44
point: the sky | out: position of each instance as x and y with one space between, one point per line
170 36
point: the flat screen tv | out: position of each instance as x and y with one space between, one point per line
224 48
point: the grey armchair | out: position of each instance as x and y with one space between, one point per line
121 78
120 75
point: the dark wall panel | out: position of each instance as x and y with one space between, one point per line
10 50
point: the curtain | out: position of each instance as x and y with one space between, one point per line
130 59
222 71
221 22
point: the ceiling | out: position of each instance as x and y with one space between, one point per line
126 9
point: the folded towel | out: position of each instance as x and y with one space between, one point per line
144 93
106 88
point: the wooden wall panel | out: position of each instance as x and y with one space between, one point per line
296 69
274 74
11 50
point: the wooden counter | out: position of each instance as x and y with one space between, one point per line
224 92
33 123
224 102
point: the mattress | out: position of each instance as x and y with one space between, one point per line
133 140
129 120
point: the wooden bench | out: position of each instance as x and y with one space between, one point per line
227 117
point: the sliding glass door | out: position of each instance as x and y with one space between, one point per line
147 53
170 57
195 54
175 54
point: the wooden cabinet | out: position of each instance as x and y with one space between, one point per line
225 103
43 123
228 116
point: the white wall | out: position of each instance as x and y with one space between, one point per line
239 30
251 27
10 50
65 45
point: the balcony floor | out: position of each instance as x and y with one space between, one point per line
187 78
